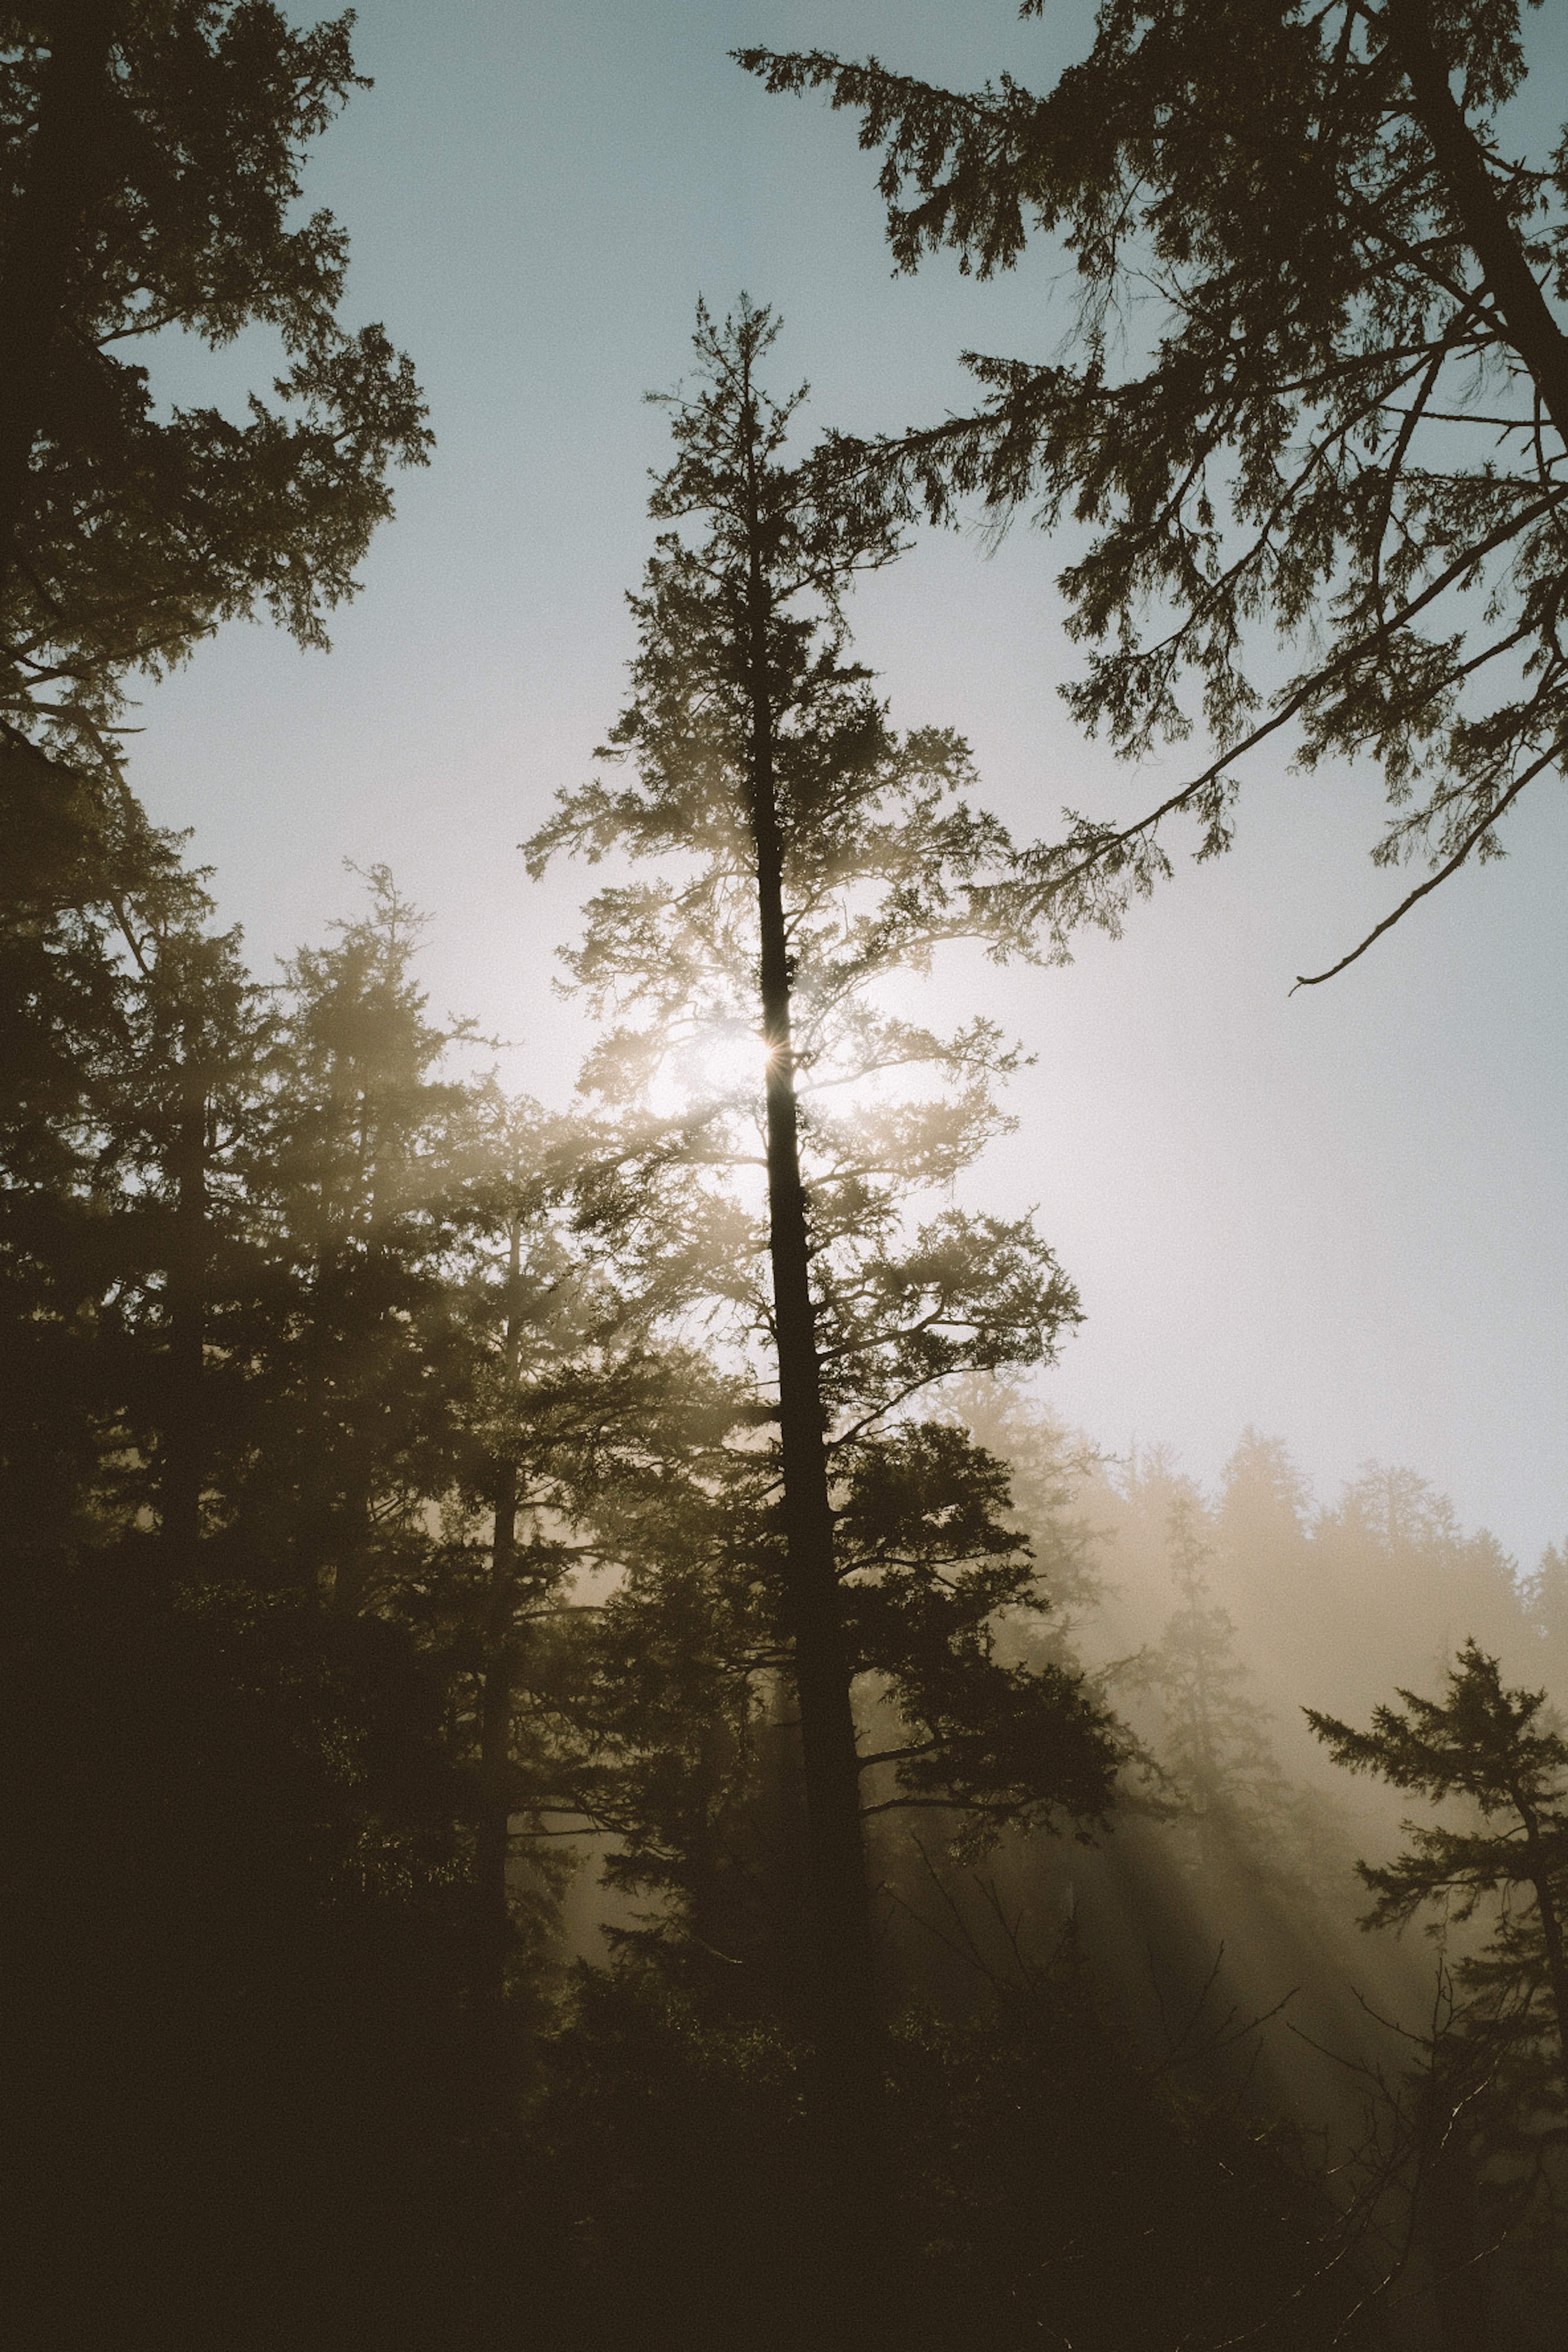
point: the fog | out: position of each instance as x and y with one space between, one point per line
763 1586
1346 1205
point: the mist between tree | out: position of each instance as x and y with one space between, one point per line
586 1763
410 1836
424 1920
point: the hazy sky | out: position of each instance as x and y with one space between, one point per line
1340 1215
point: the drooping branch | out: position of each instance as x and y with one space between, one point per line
1476 833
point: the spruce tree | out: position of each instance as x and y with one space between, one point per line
1545 1596
1217 1737
192 1098
559 1414
356 1189
133 1090
821 853
1492 1750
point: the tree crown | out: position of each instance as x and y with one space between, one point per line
1481 1741
1315 391
137 532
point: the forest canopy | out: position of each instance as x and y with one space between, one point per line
1316 394
150 158
442 1572
587 1762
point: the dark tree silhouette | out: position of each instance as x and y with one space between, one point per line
1482 1743
959 1715
312 1405
357 1192
152 159
134 1086
827 854
1344 399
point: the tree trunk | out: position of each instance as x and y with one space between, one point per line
1551 1924
848 2054
1491 235
339 1477
184 1414
492 1926
66 159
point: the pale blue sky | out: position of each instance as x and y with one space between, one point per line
1340 1215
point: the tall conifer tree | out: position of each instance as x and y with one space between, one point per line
830 852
